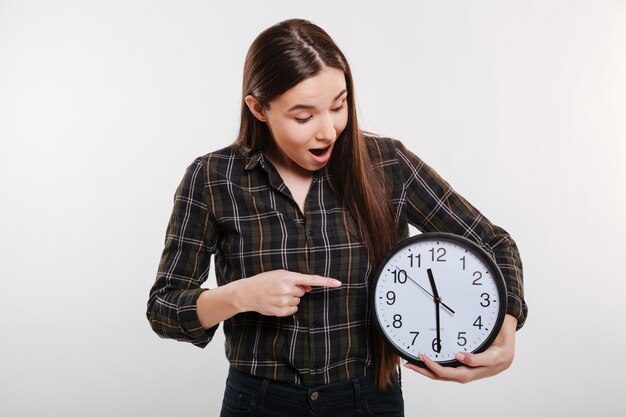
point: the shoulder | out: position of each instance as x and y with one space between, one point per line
381 149
226 160
230 154
387 151
399 163
213 167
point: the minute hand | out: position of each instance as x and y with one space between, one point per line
427 292
437 301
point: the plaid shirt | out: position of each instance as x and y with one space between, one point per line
238 208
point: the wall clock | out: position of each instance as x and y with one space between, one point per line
438 294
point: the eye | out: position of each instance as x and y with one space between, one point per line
336 109
301 121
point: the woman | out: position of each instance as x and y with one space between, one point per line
298 213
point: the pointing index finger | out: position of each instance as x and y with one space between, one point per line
317 281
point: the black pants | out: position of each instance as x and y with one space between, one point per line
247 395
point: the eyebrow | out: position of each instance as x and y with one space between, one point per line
308 106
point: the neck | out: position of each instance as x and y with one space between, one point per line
286 167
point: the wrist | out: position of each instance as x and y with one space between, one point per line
510 322
218 304
236 296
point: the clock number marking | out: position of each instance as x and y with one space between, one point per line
391 297
469 265
436 345
440 251
486 300
399 276
418 257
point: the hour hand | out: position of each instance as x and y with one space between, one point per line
436 298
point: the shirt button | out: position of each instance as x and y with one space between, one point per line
316 323
310 232
315 395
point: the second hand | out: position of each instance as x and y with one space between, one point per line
426 291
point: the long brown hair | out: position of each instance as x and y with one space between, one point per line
281 57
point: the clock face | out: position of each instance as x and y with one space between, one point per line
438 294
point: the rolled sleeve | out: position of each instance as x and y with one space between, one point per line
432 205
185 261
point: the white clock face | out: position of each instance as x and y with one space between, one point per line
437 295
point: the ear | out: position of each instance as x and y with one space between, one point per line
256 108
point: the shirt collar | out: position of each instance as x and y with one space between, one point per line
253 160
258 158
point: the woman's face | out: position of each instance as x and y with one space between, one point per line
306 121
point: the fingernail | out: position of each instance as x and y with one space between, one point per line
460 357
337 283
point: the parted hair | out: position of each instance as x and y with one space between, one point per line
279 58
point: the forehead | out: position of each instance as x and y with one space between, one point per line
318 90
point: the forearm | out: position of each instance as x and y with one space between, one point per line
507 331
218 304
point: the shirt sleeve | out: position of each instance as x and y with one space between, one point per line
189 243
432 205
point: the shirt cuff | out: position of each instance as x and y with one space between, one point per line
188 318
517 308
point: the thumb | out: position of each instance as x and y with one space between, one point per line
306 288
465 358
475 359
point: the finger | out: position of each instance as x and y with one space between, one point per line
487 358
433 366
461 374
316 281
306 288
286 311
424 371
445 373
299 291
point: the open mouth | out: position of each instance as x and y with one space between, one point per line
320 151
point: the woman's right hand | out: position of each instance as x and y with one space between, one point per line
272 293
278 292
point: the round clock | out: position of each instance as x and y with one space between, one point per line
438 294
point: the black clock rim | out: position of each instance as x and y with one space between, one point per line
489 261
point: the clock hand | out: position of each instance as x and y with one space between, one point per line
437 301
426 291
438 345
431 278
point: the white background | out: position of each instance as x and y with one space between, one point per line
520 105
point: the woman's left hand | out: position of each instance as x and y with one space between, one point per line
492 361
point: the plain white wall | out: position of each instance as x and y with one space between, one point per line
520 105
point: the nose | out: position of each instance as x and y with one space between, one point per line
326 129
